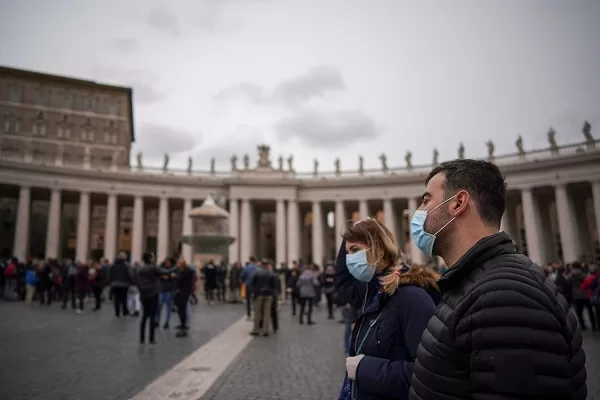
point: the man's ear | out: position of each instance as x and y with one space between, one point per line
460 203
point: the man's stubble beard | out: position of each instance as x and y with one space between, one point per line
443 242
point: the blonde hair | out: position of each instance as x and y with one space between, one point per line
381 244
181 262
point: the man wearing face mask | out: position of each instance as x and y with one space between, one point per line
502 330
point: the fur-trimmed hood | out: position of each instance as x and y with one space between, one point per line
421 277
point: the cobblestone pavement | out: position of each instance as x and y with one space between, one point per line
50 354
307 362
299 362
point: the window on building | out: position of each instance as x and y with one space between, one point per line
12 124
66 100
90 104
38 129
63 132
14 93
107 138
87 135
113 107
114 138
42 98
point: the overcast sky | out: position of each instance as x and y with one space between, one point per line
325 78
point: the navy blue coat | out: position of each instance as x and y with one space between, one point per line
398 321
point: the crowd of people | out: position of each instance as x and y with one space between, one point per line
492 324
143 289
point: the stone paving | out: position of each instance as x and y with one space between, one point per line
299 362
47 353
307 362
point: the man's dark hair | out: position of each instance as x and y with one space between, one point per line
252 259
147 257
482 180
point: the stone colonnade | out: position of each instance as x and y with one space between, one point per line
547 223
290 223
111 225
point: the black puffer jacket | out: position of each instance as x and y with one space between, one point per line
502 331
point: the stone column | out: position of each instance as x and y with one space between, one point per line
340 222
596 200
416 255
317 233
246 232
566 224
363 209
508 223
532 225
280 232
293 237
137 233
83 228
111 227
162 246
186 249
54 224
234 230
389 216
21 246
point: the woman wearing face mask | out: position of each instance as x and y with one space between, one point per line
396 302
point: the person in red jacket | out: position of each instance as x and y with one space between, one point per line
11 278
591 283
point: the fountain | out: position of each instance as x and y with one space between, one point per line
210 238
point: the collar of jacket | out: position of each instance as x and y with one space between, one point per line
484 250
373 290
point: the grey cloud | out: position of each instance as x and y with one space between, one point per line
215 16
314 83
291 92
255 93
141 80
124 44
326 129
153 140
246 138
163 20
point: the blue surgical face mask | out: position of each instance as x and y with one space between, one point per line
425 240
359 267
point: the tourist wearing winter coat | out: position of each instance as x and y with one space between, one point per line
82 283
396 301
502 330
307 292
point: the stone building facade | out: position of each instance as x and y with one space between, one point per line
59 120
